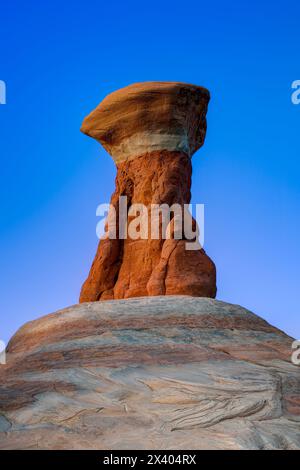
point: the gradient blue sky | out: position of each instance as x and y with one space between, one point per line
60 58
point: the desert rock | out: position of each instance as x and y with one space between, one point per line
151 130
150 373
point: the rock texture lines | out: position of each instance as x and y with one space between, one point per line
151 130
155 372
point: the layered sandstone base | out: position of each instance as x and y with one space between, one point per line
150 373
136 268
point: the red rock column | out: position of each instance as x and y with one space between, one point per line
151 130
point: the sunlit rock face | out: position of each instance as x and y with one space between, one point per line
151 130
155 373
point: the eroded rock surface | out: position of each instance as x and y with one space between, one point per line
135 268
148 117
156 373
151 130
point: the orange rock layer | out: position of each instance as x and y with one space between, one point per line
135 268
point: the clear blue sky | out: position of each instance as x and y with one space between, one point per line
60 58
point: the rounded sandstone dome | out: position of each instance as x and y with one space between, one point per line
175 372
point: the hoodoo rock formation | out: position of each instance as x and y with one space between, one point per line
156 371
151 130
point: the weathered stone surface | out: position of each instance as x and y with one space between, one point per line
148 117
154 170
134 268
156 373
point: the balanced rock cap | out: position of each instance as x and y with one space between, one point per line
146 117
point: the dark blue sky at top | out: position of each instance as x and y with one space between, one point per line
59 60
